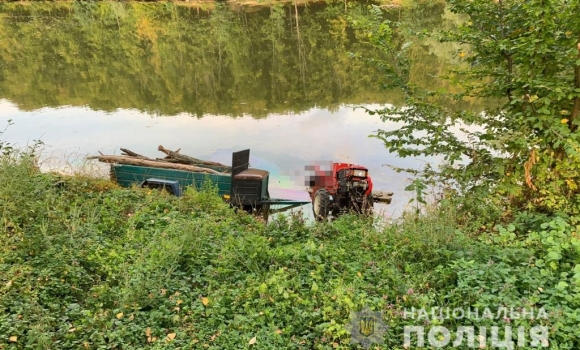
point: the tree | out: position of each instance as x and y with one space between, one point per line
523 151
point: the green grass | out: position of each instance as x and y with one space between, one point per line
85 264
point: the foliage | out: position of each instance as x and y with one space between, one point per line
521 152
87 264
527 269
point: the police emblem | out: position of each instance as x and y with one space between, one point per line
366 327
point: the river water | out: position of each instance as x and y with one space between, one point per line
85 77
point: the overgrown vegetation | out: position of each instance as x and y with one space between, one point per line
84 264
521 153
514 166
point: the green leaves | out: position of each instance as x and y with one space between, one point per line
521 62
219 279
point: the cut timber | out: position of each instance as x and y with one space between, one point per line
128 152
152 163
169 160
175 156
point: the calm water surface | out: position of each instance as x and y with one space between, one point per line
89 77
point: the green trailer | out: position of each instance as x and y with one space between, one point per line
244 187
129 175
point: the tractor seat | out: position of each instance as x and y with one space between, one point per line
252 174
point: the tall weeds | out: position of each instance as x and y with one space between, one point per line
86 264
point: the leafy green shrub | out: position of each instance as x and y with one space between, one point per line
87 264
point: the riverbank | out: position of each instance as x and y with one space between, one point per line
87 264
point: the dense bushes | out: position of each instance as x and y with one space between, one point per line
85 264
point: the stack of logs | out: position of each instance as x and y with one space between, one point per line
173 160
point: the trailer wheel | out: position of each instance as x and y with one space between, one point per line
321 204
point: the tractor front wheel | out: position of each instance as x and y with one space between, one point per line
321 204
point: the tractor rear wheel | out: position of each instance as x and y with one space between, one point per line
321 204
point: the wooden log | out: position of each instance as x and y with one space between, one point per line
225 169
185 159
155 164
169 160
179 157
133 154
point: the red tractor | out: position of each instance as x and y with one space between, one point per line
344 188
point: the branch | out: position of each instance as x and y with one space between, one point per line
133 154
